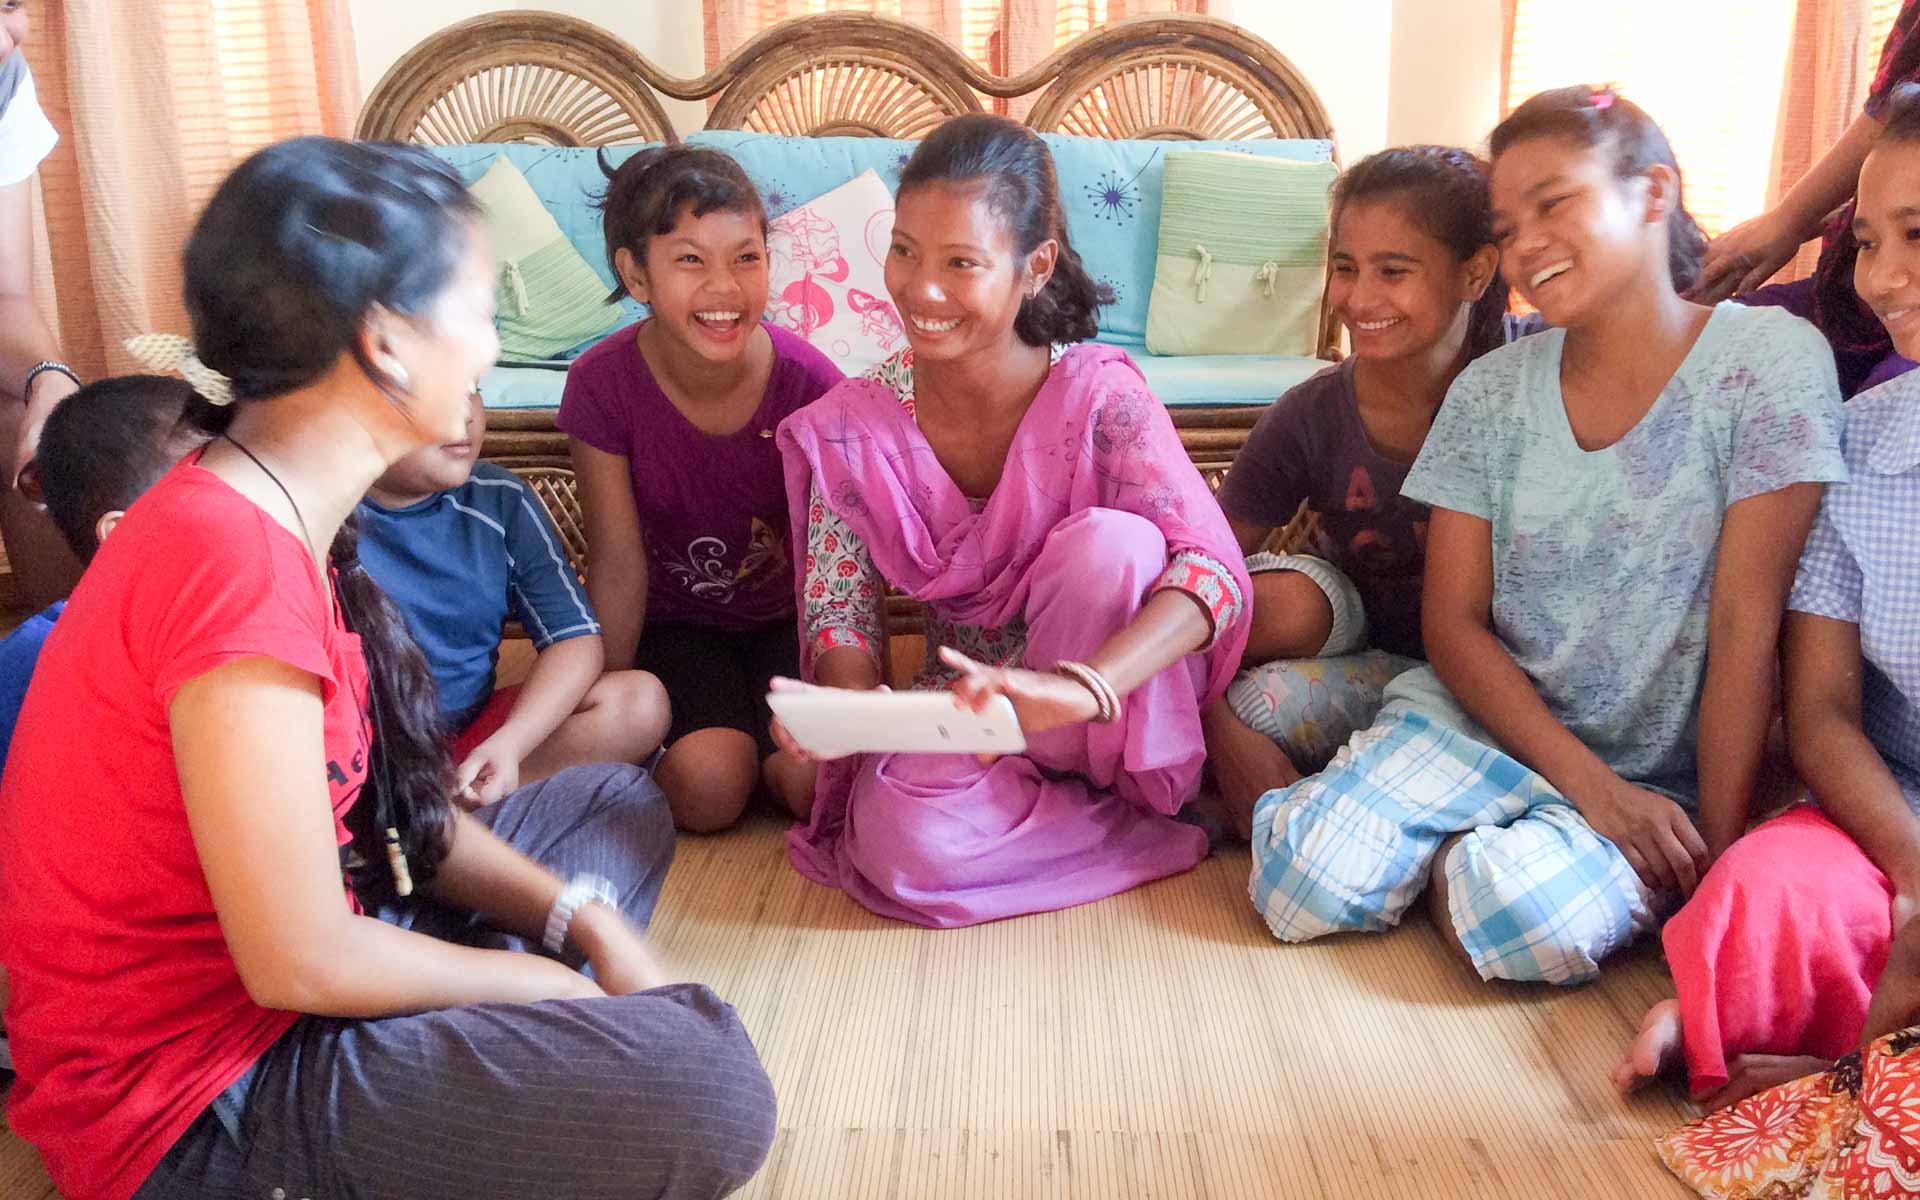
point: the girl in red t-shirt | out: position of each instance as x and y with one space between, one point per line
228 778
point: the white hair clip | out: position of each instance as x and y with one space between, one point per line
171 352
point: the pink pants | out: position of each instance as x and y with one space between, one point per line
1780 948
1086 812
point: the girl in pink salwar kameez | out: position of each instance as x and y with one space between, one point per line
1034 496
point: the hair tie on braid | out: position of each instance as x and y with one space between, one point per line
171 352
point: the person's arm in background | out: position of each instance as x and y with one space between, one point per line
550 603
43 567
1746 256
25 339
1760 542
617 572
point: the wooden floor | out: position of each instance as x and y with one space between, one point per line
1159 1044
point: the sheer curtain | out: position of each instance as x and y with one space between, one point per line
155 102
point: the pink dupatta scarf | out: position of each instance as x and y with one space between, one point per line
941 839
1095 437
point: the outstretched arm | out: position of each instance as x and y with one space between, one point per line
1746 256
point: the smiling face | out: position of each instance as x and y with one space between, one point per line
1886 223
705 281
1574 236
955 274
1399 290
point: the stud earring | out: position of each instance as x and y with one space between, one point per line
392 369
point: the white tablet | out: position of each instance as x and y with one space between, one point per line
837 721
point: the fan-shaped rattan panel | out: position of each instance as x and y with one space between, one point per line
559 494
845 75
518 77
1177 78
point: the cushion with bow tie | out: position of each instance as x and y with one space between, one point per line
1242 256
550 298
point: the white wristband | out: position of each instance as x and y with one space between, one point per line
583 890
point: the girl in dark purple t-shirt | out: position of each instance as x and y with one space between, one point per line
1415 280
670 423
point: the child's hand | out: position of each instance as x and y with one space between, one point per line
491 771
1652 832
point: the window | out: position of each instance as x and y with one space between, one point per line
1709 71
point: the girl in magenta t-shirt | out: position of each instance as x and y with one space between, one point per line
229 776
671 424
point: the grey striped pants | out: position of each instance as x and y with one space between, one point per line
658 1094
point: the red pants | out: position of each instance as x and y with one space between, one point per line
1780 948
487 722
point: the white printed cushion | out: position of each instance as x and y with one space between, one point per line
827 262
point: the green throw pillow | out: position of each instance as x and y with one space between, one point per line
550 298
1242 257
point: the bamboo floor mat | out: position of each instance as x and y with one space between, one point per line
1156 1045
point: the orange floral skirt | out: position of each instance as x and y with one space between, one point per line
1850 1133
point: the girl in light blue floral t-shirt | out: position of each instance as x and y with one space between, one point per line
1592 724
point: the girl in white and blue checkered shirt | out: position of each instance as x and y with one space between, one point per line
1778 958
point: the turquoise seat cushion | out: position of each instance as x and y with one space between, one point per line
790 171
1181 380
522 387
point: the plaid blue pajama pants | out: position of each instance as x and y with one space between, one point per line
1535 894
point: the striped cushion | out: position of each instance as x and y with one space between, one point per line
1242 255
550 298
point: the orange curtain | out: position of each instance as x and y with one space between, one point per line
155 102
1830 63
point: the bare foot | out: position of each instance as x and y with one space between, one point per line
1655 1049
1246 765
1751 1074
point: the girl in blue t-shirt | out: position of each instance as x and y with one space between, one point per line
1617 506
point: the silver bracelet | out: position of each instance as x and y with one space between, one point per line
583 890
41 368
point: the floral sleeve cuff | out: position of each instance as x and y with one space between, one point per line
833 637
843 595
1209 582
